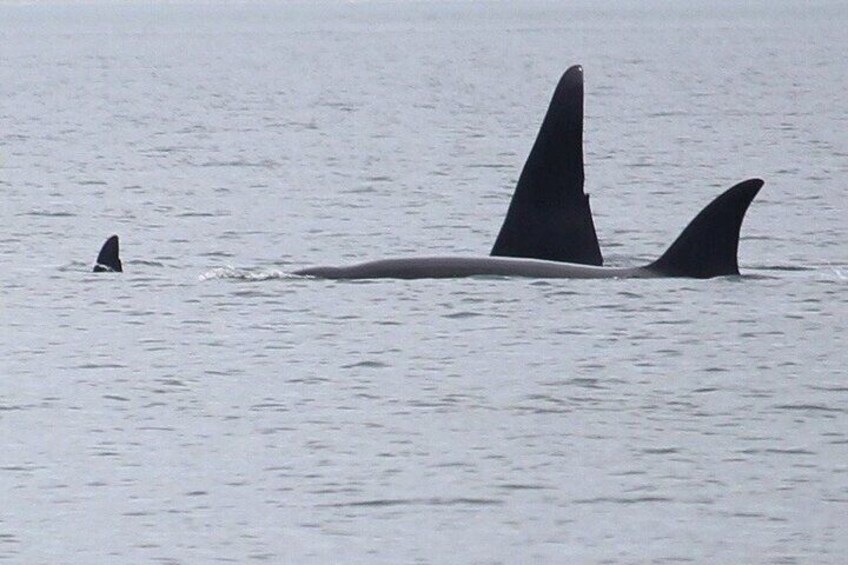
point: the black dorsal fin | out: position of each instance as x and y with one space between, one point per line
108 259
708 246
549 216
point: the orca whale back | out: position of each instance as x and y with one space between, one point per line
107 259
708 246
549 215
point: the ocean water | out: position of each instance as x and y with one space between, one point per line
204 406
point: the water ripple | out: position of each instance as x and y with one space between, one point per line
388 502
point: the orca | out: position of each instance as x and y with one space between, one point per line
549 215
548 231
107 259
706 248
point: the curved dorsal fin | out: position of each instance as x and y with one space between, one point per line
108 259
549 216
708 246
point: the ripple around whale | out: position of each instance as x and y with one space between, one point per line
247 275
389 502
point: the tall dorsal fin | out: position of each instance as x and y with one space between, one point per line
108 259
708 246
549 216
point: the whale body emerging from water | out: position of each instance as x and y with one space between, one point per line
107 259
706 248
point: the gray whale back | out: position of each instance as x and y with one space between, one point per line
457 267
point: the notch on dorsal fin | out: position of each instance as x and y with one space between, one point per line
108 260
549 216
708 246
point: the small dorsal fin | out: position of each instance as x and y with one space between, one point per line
108 259
708 246
549 216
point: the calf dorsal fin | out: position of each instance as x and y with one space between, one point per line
108 259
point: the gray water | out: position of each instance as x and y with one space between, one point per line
206 407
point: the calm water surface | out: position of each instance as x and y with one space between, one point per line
206 407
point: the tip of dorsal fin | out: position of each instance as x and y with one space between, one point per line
549 215
709 244
108 259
